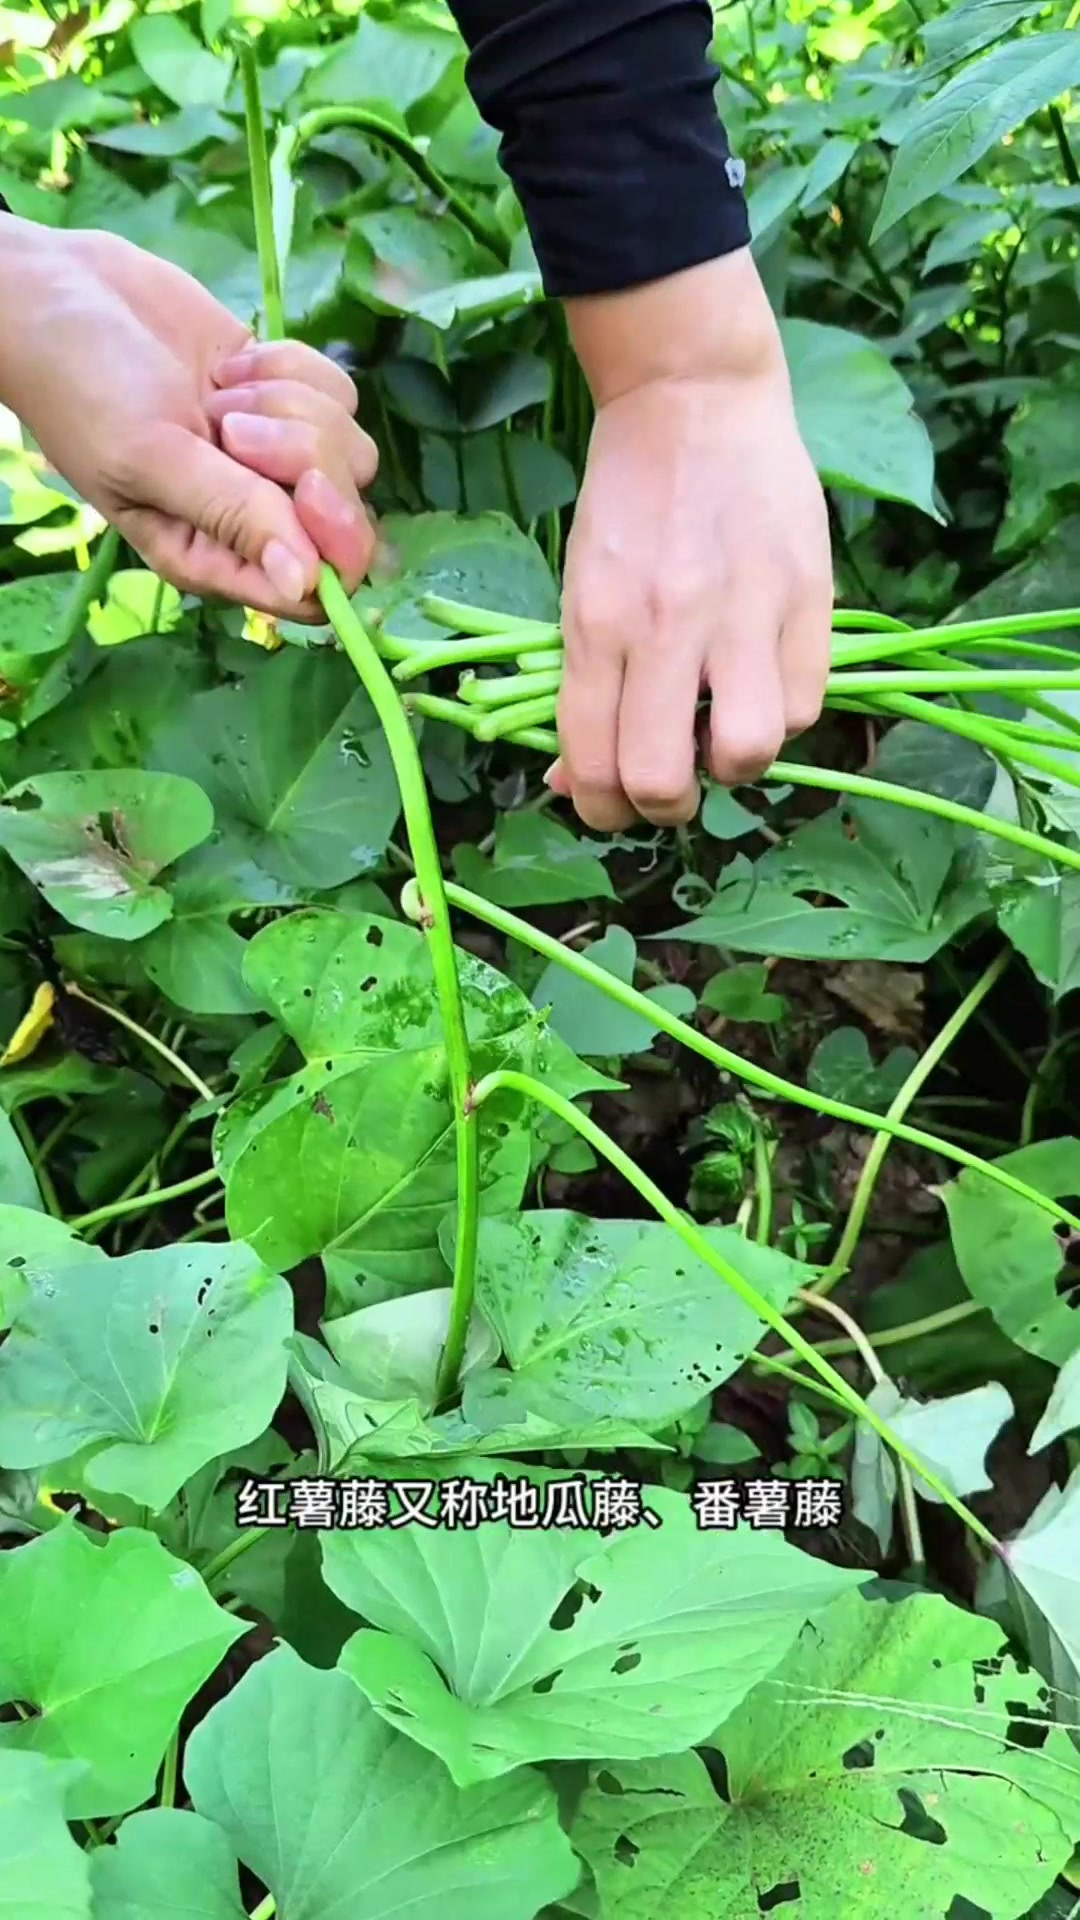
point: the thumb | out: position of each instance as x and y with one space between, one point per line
180 477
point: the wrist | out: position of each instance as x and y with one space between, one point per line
710 322
29 267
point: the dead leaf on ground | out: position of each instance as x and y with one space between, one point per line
889 997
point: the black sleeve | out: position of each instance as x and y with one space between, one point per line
610 134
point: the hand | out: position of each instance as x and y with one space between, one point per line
233 469
699 557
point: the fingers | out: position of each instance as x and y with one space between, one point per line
656 731
746 718
288 360
806 655
295 435
199 518
296 426
588 729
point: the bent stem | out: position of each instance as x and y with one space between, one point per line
733 1063
916 1079
322 119
435 913
435 919
507 1079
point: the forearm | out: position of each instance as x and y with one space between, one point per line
610 135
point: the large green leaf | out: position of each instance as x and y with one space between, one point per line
944 136
107 1644
339 1814
613 1317
870 1774
43 1874
151 1364
536 862
165 1862
295 764
33 1248
1042 444
857 416
93 843
197 958
394 63
1041 1568
895 870
1009 1253
170 56
353 1156
18 1181
587 1019
484 561
399 261
1038 909
492 1655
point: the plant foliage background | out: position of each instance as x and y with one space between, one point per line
776 1176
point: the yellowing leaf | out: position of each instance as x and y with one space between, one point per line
262 631
32 1028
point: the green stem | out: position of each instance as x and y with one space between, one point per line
914 639
895 1336
88 588
1068 158
860 786
167 1795
262 197
150 1040
496 723
380 689
972 727
266 1909
763 1185
37 1162
505 689
436 921
426 656
509 1080
956 680
733 1063
138 1202
322 119
917 1078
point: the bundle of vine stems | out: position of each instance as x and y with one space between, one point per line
511 671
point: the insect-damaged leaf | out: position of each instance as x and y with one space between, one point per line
108 1643
353 1157
33 1247
147 1366
613 1318
870 1773
502 1645
93 843
898 873
337 1813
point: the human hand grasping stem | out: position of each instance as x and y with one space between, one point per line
699 559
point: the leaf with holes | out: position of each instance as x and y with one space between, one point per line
337 1813
33 1248
93 843
613 1317
1012 1256
870 1772
146 1366
106 1644
501 1645
296 766
353 1157
898 873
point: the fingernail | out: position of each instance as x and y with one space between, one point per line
549 776
253 430
284 572
326 499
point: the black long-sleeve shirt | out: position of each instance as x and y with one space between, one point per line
610 135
